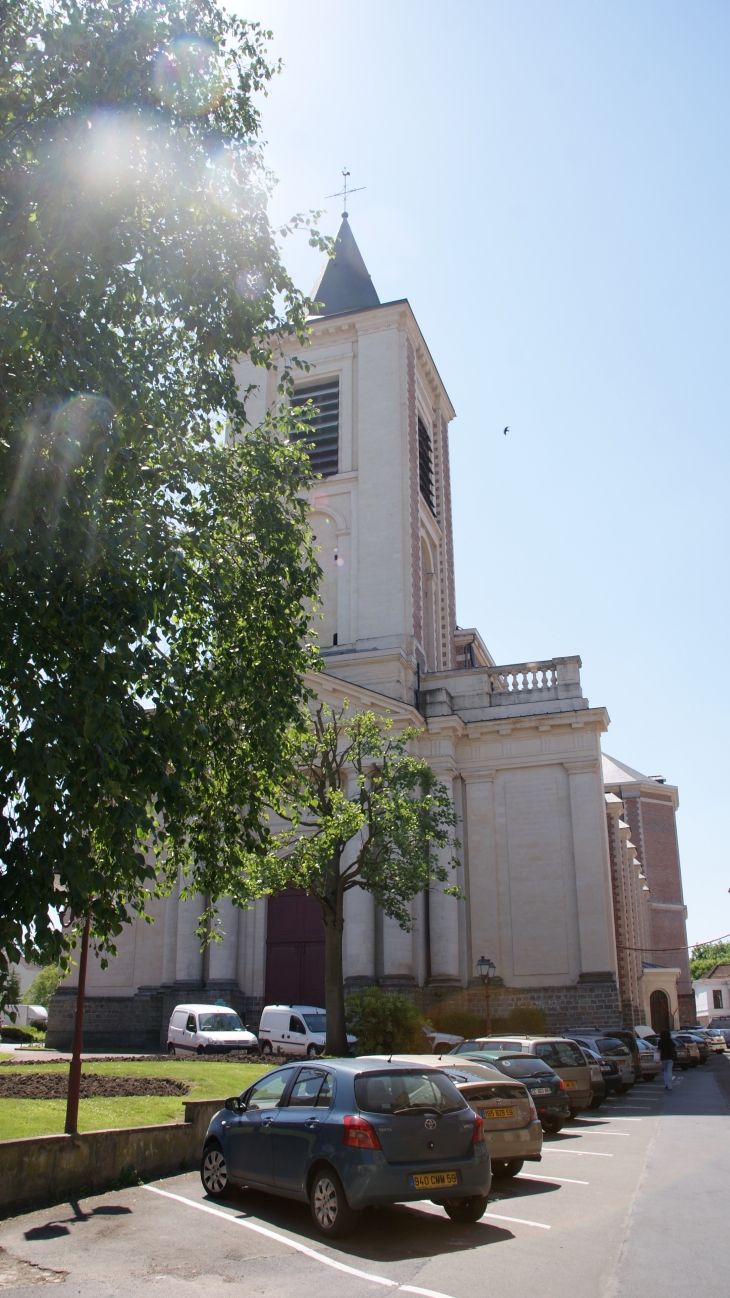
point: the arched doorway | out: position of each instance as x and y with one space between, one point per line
661 1017
294 950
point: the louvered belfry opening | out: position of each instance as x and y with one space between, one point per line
425 465
323 426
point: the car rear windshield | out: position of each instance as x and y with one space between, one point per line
316 1022
410 1092
612 1047
219 1023
560 1054
524 1067
494 1094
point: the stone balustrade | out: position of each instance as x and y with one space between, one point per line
515 689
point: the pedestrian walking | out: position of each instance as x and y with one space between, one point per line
667 1054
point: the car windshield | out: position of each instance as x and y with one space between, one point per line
612 1047
316 1022
560 1054
413 1092
525 1066
219 1023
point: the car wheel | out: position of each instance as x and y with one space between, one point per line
597 1101
684 1067
644 1078
312 1052
331 1213
200 1050
171 1050
214 1172
466 1210
266 1048
551 1126
623 1089
507 1167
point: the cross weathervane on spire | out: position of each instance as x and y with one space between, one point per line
342 193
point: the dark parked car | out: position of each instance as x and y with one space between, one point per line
350 1133
546 1088
684 1058
699 1041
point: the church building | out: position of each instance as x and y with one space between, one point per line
549 868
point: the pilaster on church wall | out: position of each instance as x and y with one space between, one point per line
537 863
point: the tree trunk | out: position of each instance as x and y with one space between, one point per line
74 1075
334 994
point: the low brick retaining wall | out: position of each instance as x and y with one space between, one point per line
43 1169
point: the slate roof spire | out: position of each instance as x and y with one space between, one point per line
344 283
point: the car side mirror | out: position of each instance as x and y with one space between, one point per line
234 1104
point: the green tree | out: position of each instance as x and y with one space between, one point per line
383 1022
43 986
360 812
153 572
9 991
706 955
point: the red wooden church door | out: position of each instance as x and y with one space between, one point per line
294 950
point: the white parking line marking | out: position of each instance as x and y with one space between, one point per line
300 1248
616 1117
594 1132
521 1221
579 1153
647 1107
551 1180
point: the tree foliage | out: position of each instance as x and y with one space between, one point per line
43 986
9 991
383 1022
706 955
153 572
361 811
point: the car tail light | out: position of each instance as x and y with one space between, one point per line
533 1110
562 1083
478 1136
360 1134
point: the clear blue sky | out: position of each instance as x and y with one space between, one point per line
548 184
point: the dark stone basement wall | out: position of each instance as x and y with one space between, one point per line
139 1023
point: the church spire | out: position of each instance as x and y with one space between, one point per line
344 283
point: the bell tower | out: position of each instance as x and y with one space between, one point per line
381 510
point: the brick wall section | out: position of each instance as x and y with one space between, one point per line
415 496
654 831
447 529
630 1013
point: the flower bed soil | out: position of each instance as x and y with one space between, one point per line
54 1086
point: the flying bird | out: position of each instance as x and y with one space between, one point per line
506 430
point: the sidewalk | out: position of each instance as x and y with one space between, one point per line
674 1239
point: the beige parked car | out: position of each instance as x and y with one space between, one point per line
512 1129
562 1055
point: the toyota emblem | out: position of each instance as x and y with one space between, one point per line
430 1124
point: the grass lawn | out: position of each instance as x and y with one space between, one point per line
207 1080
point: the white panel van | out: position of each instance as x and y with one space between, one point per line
294 1030
207 1030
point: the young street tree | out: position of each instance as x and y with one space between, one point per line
153 574
362 812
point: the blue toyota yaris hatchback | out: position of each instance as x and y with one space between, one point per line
350 1133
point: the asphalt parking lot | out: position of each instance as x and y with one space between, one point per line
626 1201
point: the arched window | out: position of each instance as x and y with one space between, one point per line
428 595
661 1016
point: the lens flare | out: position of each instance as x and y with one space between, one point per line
187 76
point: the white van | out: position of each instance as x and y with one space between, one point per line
208 1030
294 1030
